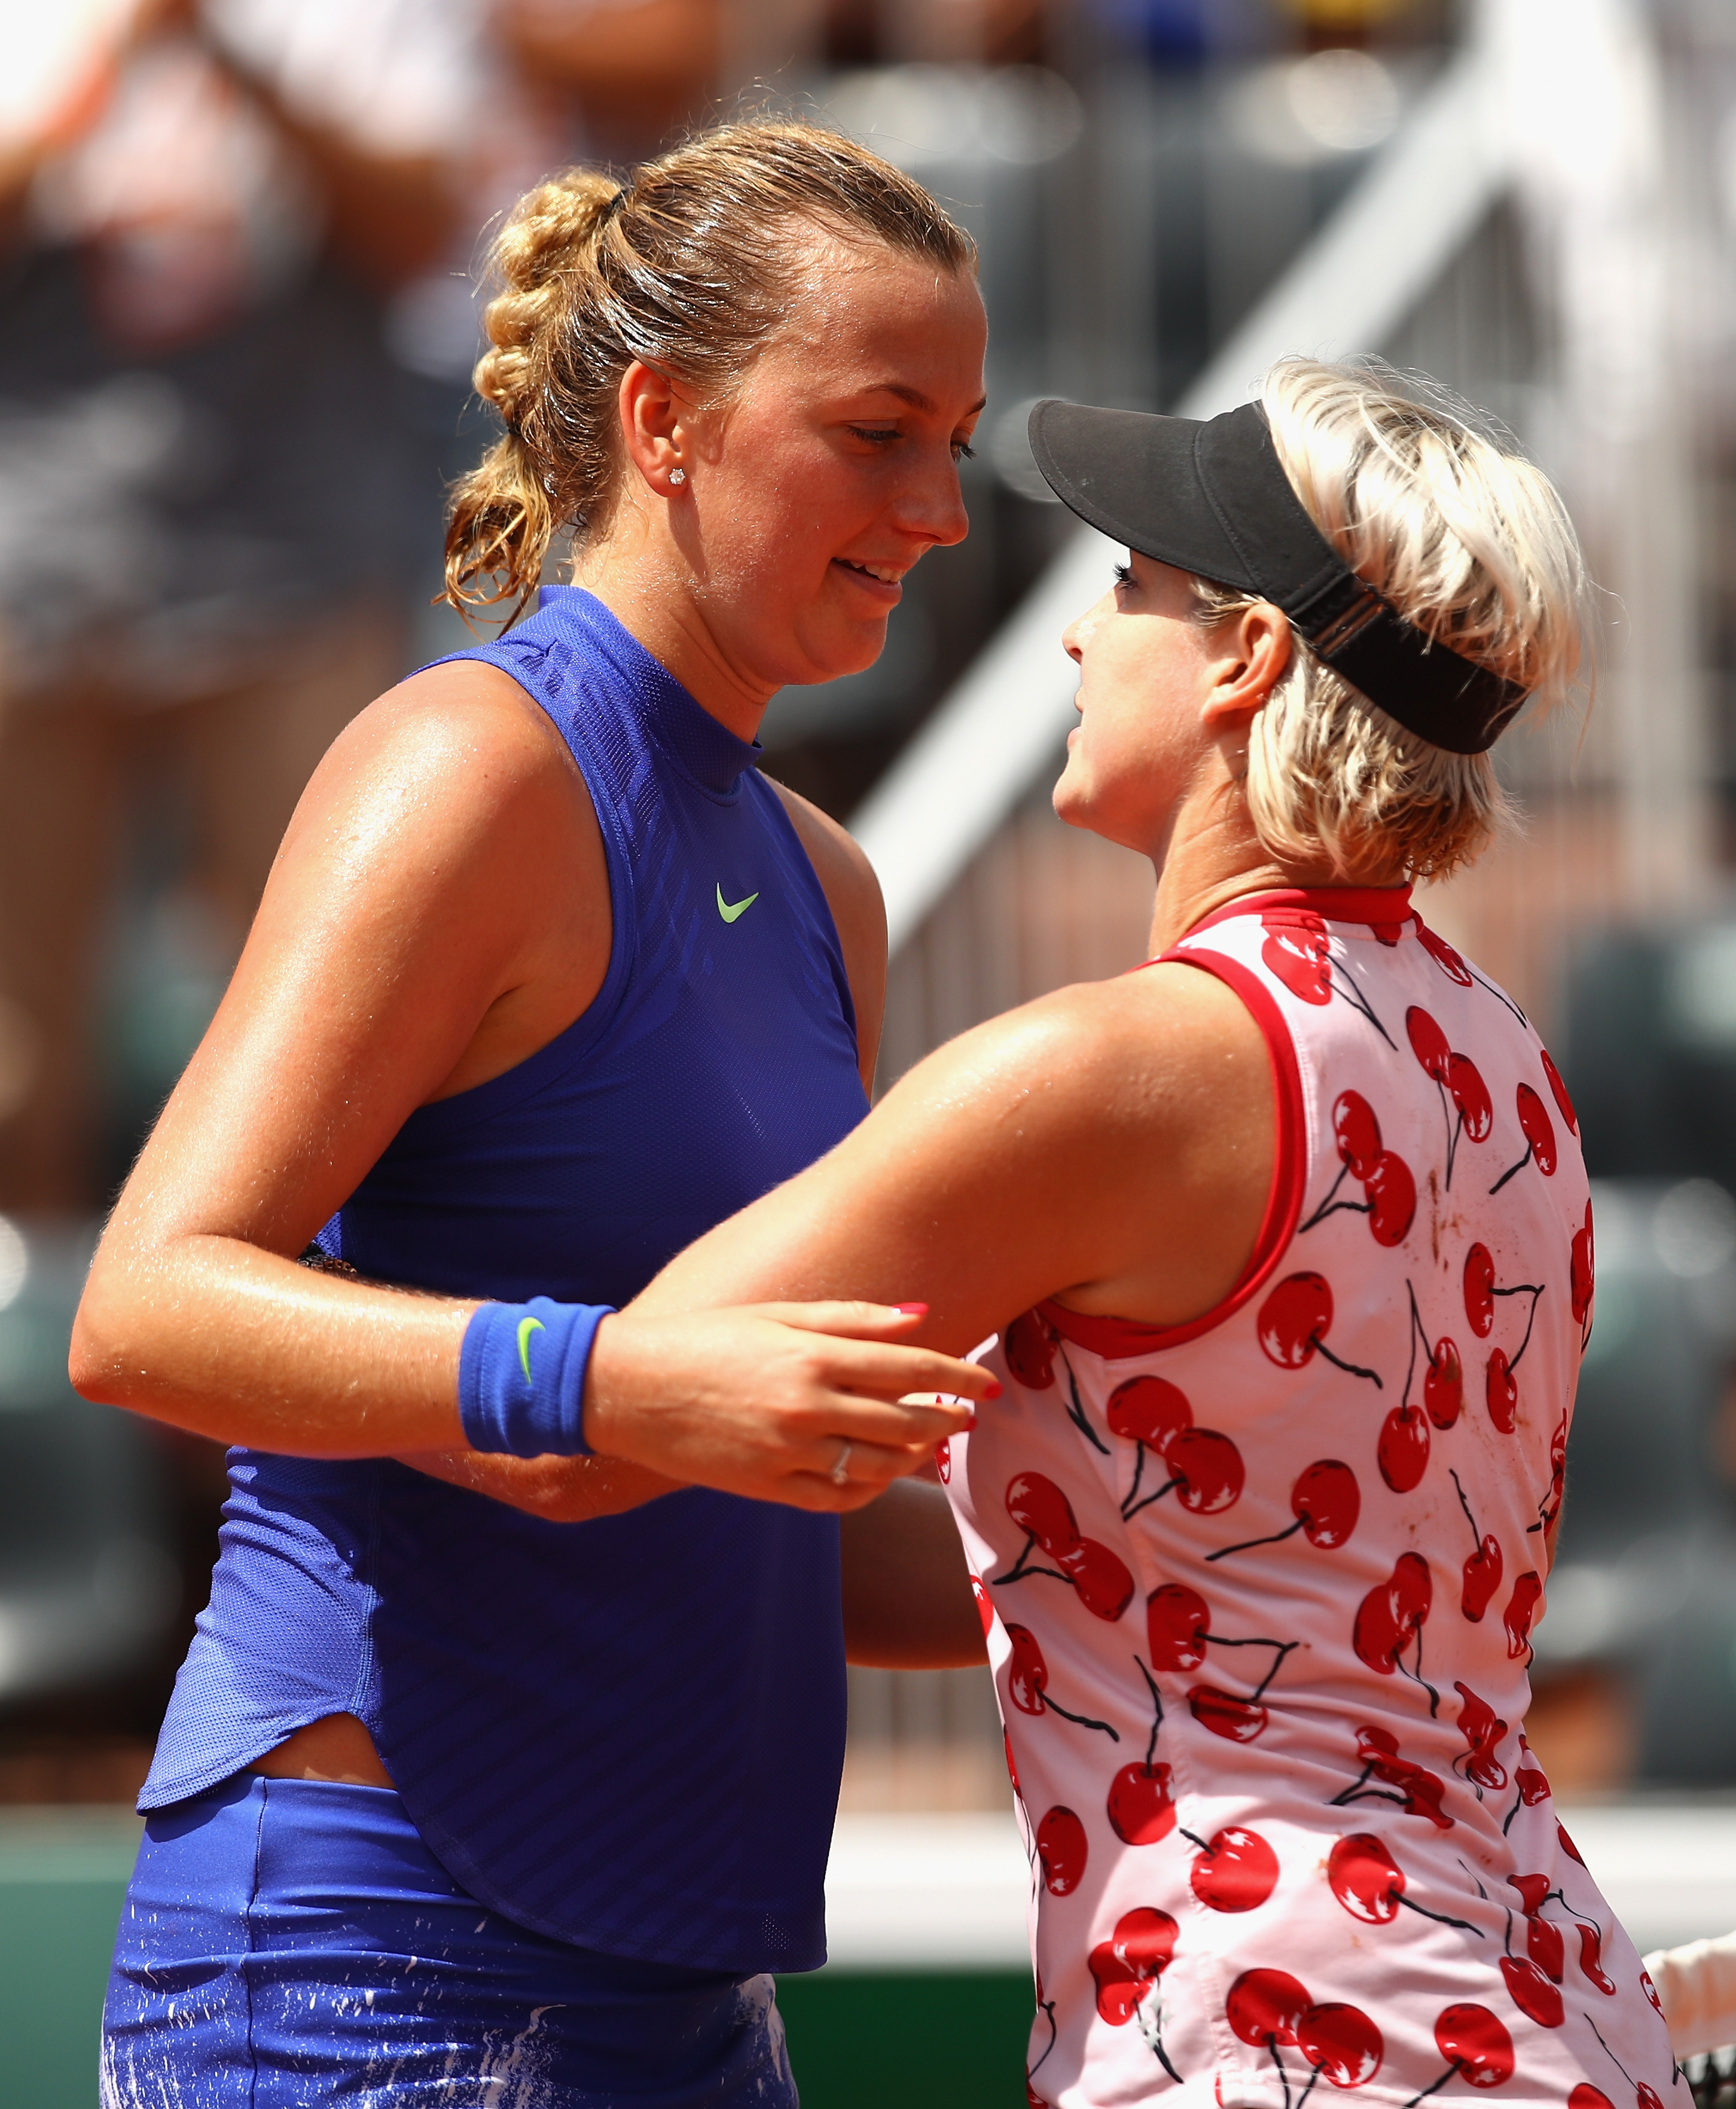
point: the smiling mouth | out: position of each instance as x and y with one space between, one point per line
883 575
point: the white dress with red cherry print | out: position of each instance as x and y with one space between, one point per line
1258 1588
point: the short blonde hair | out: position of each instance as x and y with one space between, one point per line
1468 540
681 265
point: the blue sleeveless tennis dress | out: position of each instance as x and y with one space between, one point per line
616 1743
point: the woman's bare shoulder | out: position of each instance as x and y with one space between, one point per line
1100 1046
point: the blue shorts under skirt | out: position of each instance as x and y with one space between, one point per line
286 1944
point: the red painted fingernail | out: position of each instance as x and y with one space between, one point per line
970 1424
993 1392
913 1310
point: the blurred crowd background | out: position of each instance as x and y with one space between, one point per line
238 310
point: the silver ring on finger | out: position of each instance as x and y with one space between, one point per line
840 1470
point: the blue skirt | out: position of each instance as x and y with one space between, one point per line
286 1944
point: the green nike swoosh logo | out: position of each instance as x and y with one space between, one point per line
730 909
527 1327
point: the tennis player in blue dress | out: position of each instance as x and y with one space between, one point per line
499 1773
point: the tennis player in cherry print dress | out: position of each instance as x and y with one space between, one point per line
1259 1560
1266 1727
1259 1590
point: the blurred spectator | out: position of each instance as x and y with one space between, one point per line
227 229
208 493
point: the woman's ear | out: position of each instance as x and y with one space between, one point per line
651 414
1256 650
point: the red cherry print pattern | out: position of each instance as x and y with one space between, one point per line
1402 1452
1357 1134
1365 1878
1475 2044
1549 1507
1176 1622
1062 1850
1501 1392
1043 1512
1521 1608
1268 2008
1585 2096
1098 1576
944 1460
1470 1096
1547 1949
1532 1993
1591 1960
1389 1191
1370 1883
985 1605
1539 1131
1390 1617
1176 1618
1581 1272
1027 1686
1341 2043
1148 1409
1140 1809
1298 951
1028 1673
1443 954
1012 1770
1482 1569
1205 1470
1029 1346
1417 1791
1558 1092
1456 1078
1125 1966
1140 1804
1294 1322
1236 1719
1573 1853
1265 2007
1236 1870
1482 1729
1646 1985
1480 1290
1645 2098
1326 1502
1444 1384
1533 1781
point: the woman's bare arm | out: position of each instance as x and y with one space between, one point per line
1112 1144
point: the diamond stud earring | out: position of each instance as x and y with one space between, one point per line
677 476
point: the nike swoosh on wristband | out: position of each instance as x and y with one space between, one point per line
729 910
527 1327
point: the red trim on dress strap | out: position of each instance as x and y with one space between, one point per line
1117 1338
1376 905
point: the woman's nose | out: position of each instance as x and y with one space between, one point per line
933 507
1078 633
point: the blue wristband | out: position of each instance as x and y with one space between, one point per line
521 1377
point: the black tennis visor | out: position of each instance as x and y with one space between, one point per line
1212 497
